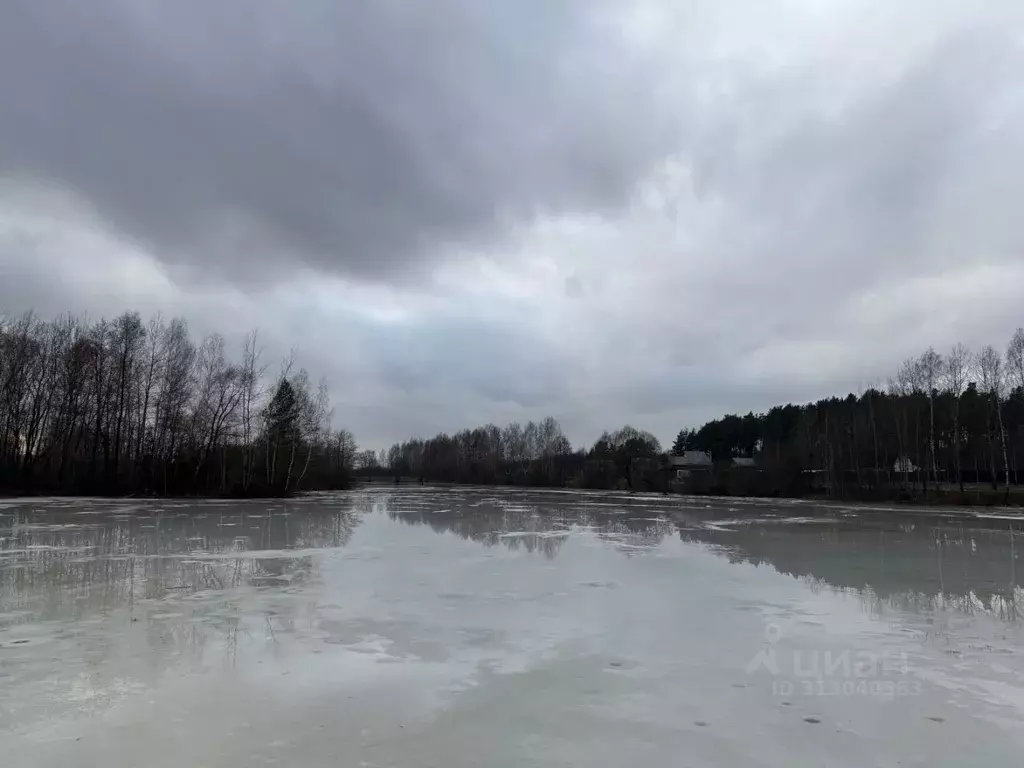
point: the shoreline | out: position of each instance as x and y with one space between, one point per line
942 505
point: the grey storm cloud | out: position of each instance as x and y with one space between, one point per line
355 137
665 209
457 354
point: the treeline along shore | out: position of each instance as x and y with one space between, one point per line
945 428
115 407
123 406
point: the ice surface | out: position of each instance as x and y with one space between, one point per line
470 627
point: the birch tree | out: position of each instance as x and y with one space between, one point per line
990 371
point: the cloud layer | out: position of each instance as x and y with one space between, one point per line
472 211
358 137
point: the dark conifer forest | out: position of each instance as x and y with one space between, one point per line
944 426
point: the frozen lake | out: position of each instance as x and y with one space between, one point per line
470 627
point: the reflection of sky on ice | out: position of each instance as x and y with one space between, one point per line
615 622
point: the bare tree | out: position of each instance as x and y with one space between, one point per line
346 449
39 394
990 371
1015 380
366 460
279 417
867 396
152 361
957 369
220 388
531 442
300 387
127 335
252 373
109 407
513 444
907 385
1015 360
316 421
931 366
178 355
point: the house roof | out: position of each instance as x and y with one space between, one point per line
691 459
743 461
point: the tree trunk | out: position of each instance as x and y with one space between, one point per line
931 435
874 437
956 445
1002 442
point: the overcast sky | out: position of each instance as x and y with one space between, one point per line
463 211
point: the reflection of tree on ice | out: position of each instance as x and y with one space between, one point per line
766 656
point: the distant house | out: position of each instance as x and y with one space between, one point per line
904 466
689 462
744 462
816 479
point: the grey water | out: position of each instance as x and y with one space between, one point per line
469 627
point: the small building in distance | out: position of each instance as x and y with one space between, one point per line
689 462
903 465
690 472
744 462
